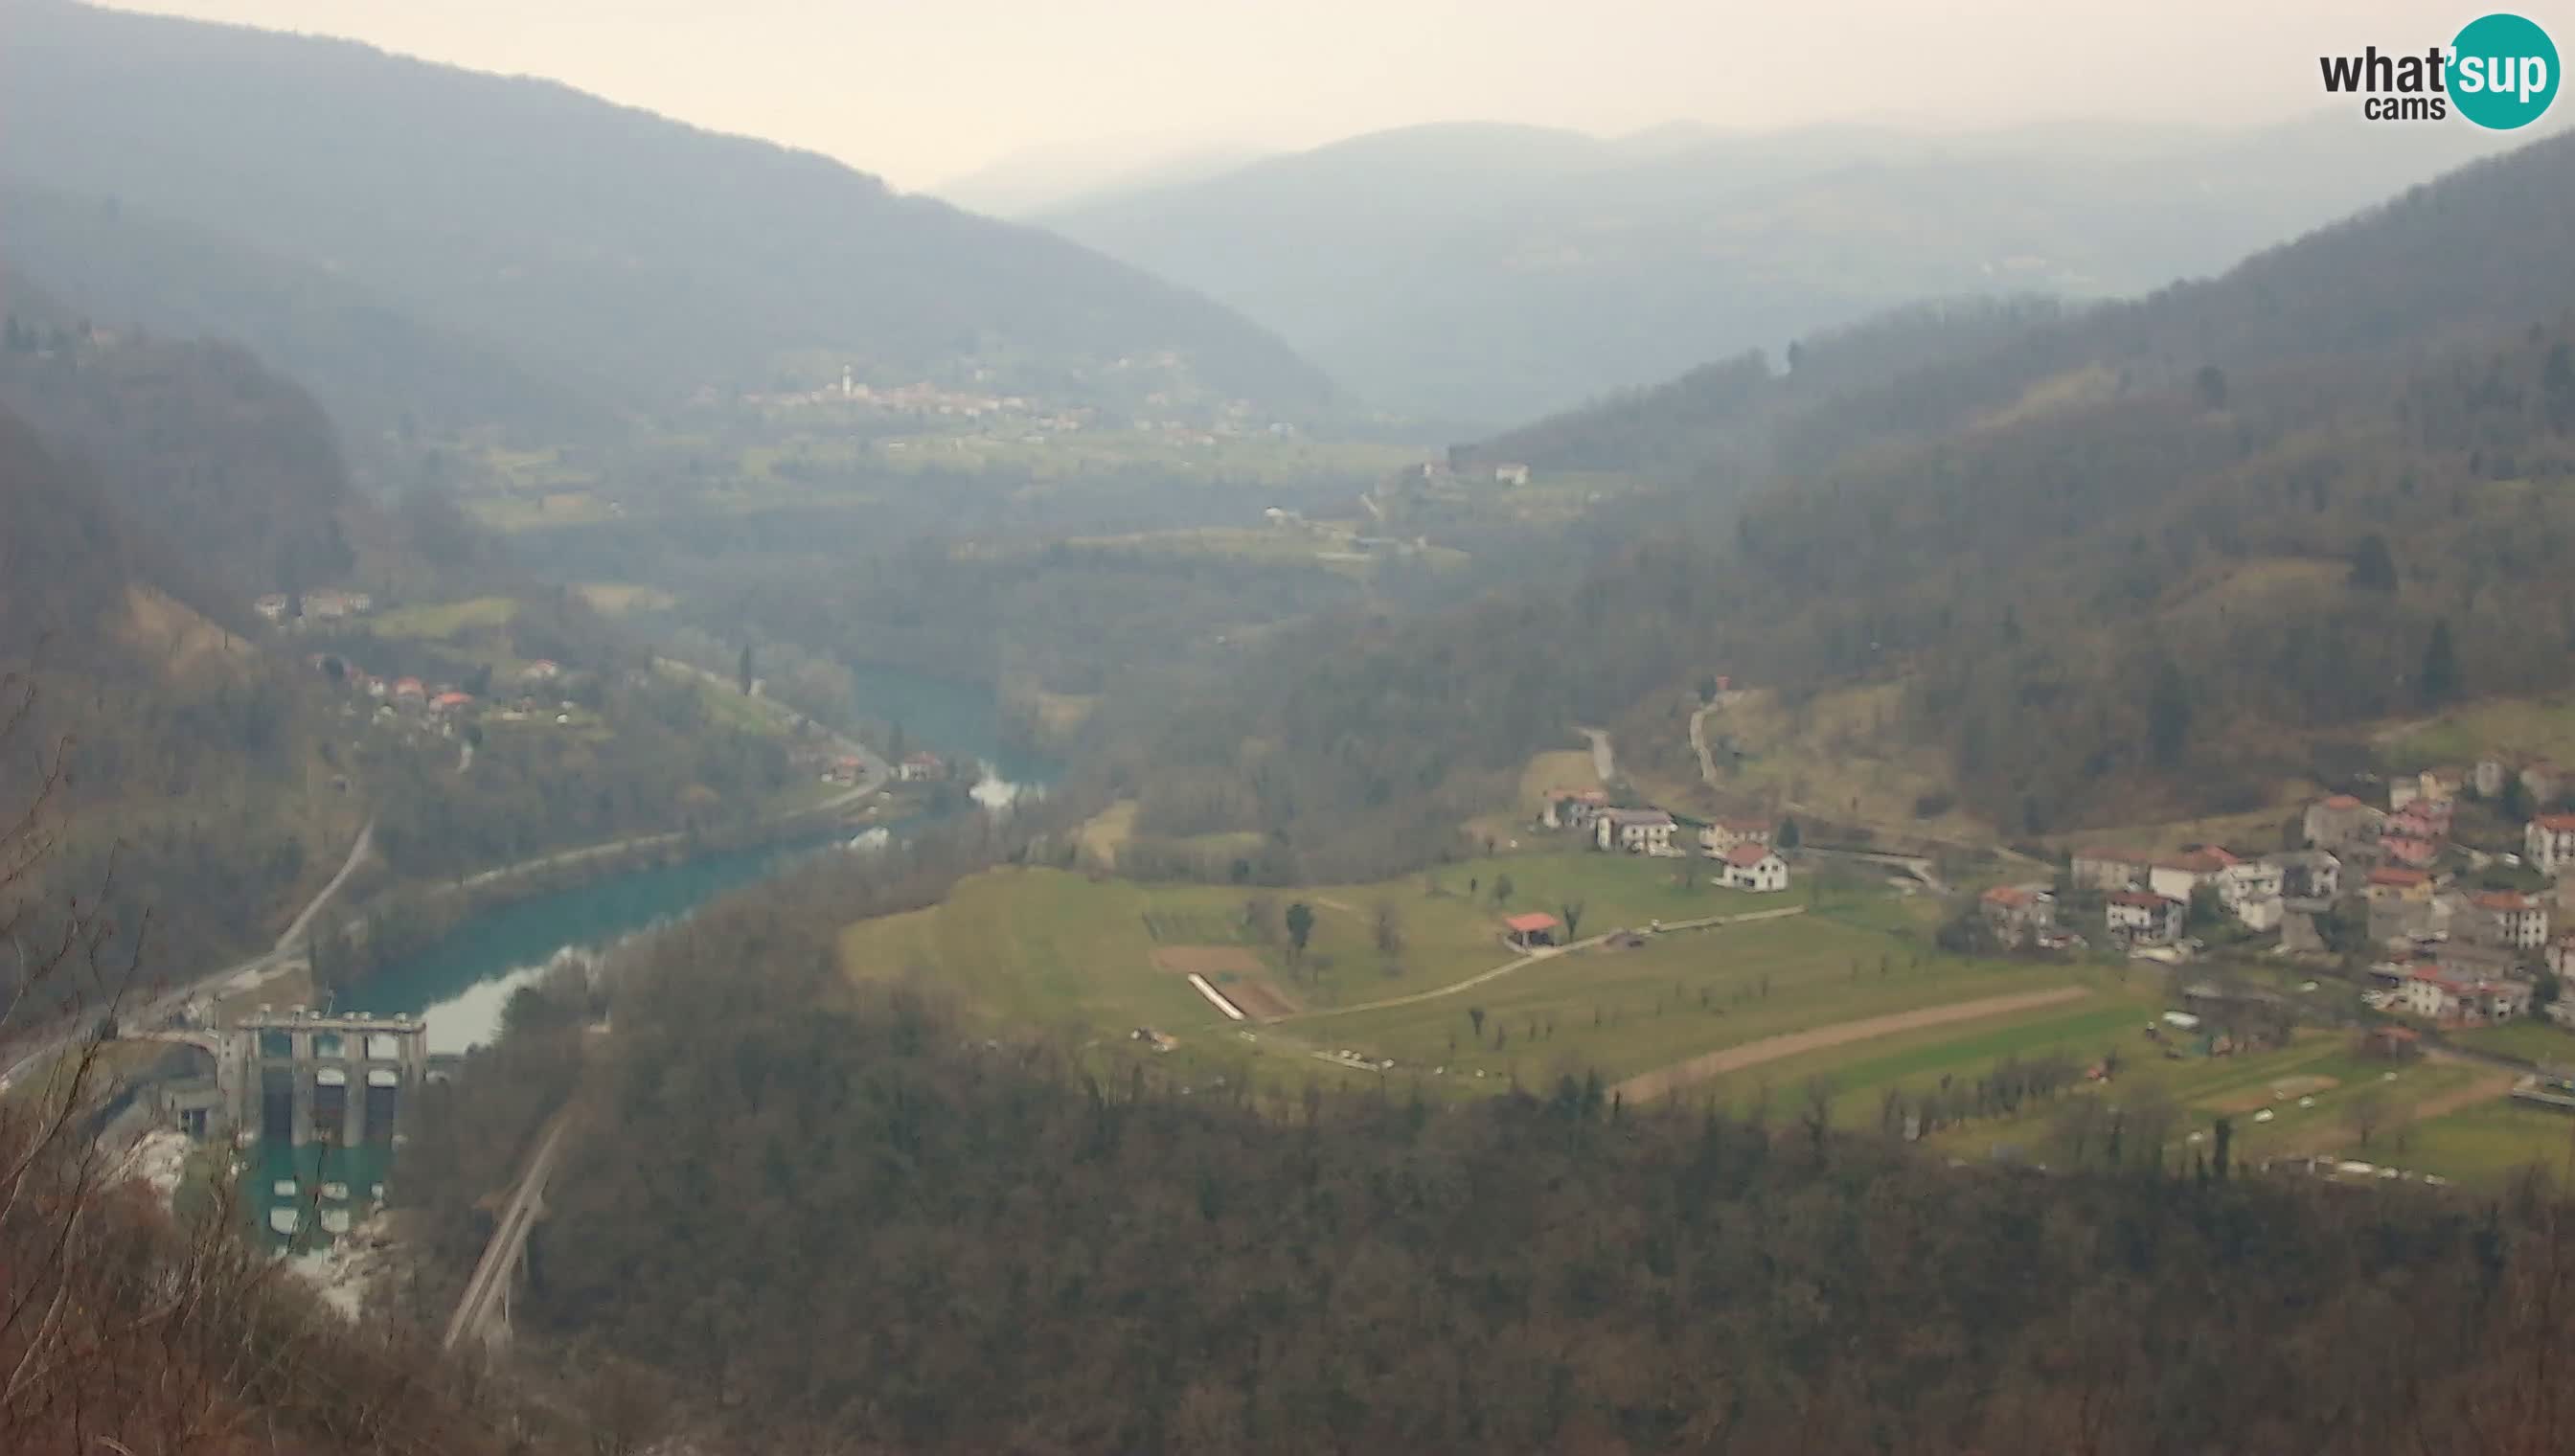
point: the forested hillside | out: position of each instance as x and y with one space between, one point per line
592 241
187 753
387 376
204 448
825 1213
2140 560
1490 272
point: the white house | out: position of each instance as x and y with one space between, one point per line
1755 867
2307 874
1512 473
1636 830
2250 891
2507 919
2548 842
2019 912
2143 915
2451 995
2175 877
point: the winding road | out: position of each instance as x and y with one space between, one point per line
241 976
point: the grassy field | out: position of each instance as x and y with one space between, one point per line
1052 948
1456 1012
439 620
1625 1012
2488 1143
2530 1039
616 598
2521 728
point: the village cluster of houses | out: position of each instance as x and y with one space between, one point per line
1740 845
2453 950
441 703
1505 473
327 604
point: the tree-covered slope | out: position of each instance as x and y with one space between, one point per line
2152 558
594 241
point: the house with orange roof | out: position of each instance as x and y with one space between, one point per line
1754 866
2018 913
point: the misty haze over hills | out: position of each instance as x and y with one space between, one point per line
606 246
1479 789
1494 272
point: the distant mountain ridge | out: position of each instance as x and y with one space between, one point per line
1498 272
2015 566
599 244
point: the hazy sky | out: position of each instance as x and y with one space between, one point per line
922 90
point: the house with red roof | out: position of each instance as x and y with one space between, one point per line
2175 877
451 702
2143 917
2018 913
2460 996
1573 809
2409 852
408 691
2339 822
1754 866
1530 931
2548 842
2395 881
2505 918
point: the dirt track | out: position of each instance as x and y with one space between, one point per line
1664 1080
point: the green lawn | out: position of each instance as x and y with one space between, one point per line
2520 727
442 619
1628 1011
2531 1040
1050 949
2486 1144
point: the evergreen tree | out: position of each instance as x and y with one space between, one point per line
2168 714
2439 681
2372 567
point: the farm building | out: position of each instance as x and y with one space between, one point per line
1530 931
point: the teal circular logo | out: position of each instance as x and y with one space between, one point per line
2503 72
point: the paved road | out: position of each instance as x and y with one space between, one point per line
1664 1080
241 976
358 852
487 1292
